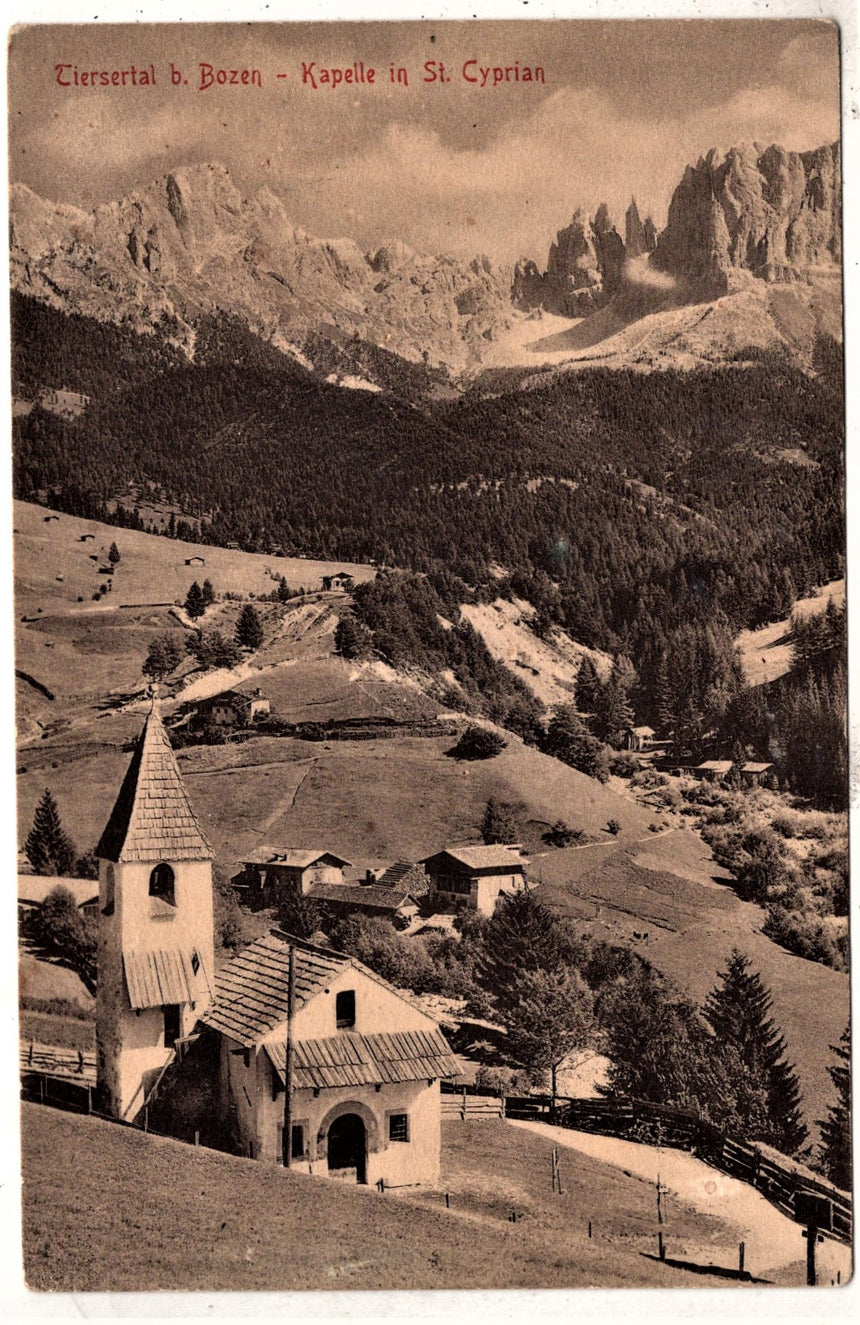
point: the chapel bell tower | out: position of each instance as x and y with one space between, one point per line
156 934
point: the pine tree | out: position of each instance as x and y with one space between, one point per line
613 714
737 1009
208 593
114 555
164 654
503 821
587 686
195 605
49 848
249 628
522 935
283 590
836 1127
568 739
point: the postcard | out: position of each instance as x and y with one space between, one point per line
428 463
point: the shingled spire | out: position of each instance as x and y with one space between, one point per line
152 819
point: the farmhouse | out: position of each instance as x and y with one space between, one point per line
340 581
713 770
640 739
195 561
753 775
269 872
233 708
475 875
405 874
294 1041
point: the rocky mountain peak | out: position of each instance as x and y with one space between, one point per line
765 211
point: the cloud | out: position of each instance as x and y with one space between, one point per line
458 169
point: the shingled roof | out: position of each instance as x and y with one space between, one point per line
251 995
366 1060
152 819
498 857
361 894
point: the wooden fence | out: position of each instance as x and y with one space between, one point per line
778 1178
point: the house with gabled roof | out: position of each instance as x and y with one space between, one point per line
475 876
272 871
366 1065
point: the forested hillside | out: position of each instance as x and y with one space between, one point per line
650 515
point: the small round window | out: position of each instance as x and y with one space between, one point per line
162 883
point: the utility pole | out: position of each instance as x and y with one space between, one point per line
288 1070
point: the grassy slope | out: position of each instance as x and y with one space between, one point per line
766 653
669 888
151 569
160 1215
375 799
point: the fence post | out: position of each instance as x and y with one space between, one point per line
741 1251
660 1248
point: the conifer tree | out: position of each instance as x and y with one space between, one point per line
208 593
613 713
836 1127
587 686
49 848
114 555
249 628
737 1009
195 604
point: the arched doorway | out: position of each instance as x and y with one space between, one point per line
347 1145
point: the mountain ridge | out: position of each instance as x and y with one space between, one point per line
192 244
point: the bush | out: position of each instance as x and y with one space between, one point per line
478 743
562 835
58 926
614 827
502 1080
787 825
624 763
807 936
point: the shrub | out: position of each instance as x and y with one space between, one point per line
624 763
614 827
562 835
787 825
478 743
60 928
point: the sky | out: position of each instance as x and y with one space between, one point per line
444 166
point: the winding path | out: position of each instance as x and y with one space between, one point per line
772 1239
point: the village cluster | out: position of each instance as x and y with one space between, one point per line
293 1053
